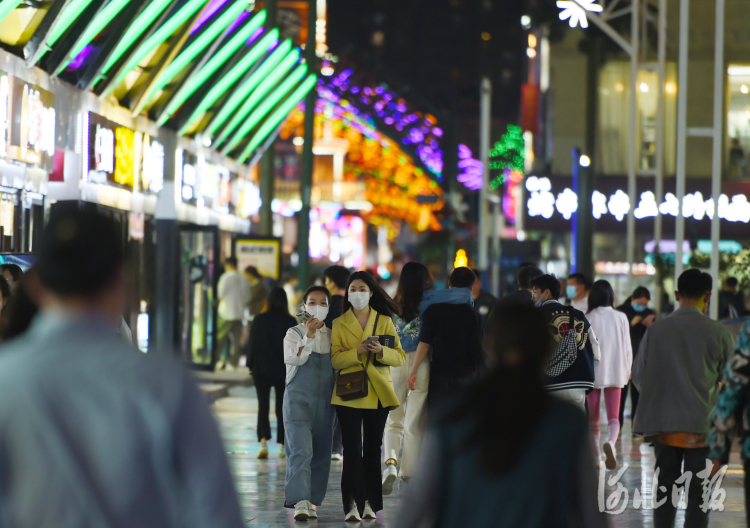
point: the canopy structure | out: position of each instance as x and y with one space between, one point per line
206 68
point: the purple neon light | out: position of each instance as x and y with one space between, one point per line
472 170
258 32
207 13
81 58
273 45
237 22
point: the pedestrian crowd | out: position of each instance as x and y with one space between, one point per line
478 411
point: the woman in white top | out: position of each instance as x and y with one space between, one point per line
613 370
308 412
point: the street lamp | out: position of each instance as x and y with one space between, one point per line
575 11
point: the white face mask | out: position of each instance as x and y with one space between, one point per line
317 311
359 299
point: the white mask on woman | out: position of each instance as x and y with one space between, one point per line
359 299
317 311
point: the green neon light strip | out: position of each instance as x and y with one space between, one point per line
263 88
103 18
136 29
231 77
6 6
265 107
161 34
211 66
191 52
276 118
67 17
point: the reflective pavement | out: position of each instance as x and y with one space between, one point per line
260 484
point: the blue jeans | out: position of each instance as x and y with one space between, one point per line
308 417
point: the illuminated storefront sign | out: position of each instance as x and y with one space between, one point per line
111 151
189 189
543 202
152 170
263 253
30 121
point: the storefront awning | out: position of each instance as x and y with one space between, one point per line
205 68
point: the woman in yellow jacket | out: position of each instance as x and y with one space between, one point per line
364 303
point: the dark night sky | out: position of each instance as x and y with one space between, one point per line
432 52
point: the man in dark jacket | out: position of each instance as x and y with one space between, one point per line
484 302
454 332
336 279
570 373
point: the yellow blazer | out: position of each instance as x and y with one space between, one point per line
348 333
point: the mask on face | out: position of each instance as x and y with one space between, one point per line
639 307
318 312
571 292
359 299
540 302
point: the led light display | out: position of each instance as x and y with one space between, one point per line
188 54
248 93
230 78
213 64
267 105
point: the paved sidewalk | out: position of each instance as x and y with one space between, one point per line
260 484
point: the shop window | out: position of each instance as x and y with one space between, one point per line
614 116
738 120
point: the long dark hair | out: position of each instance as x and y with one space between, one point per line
506 406
601 294
380 301
414 281
277 302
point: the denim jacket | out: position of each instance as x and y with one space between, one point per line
410 332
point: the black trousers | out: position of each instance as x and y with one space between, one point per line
634 395
747 491
443 387
361 478
263 387
338 444
669 462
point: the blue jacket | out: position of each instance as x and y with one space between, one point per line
410 332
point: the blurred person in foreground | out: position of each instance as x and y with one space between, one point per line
266 362
677 372
13 274
505 453
233 292
92 431
732 412
640 317
415 294
613 371
454 333
484 302
570 371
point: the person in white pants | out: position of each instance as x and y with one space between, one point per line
405 425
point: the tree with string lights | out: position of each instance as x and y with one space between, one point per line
507 155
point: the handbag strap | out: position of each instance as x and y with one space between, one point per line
374 330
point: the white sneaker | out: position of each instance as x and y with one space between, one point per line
610 462
389 478
301 512
311 510
368 514
338 457
353 514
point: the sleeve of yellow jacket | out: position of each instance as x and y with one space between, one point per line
380 384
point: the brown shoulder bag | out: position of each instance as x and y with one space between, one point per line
355 385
